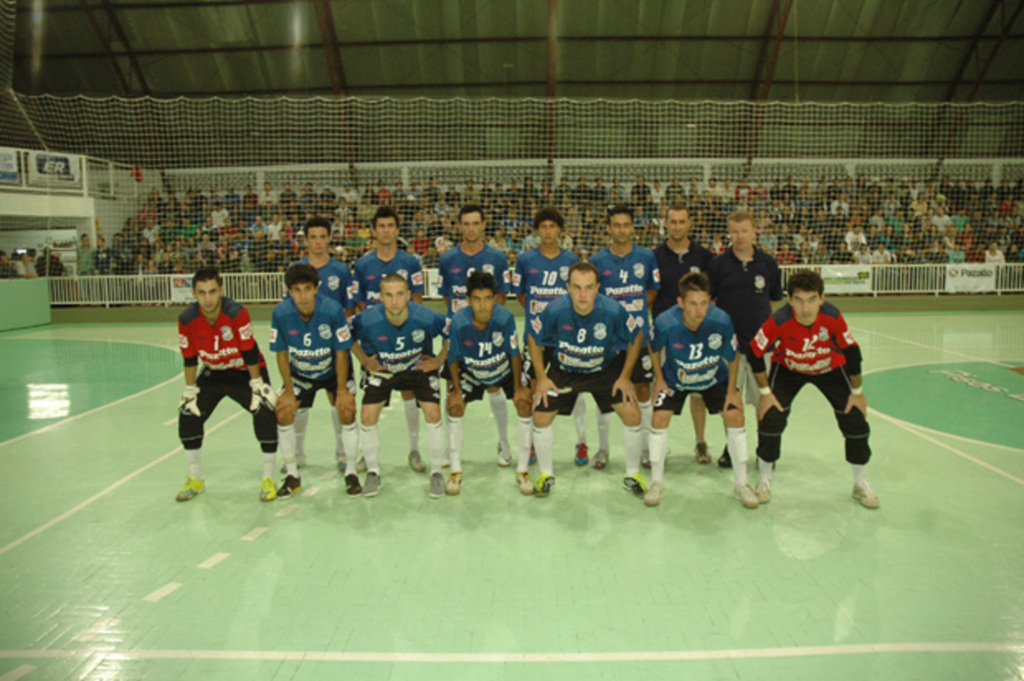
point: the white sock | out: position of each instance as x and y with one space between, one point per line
370 437
737 439
269 464
860 475
350 436
435 445
301 421
499 407
604 425
524 438
764 469
412 421
194 458
634 439
544 442
286 443
658 443
455 443
339 443
579 417
646 411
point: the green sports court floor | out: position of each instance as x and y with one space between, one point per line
104 576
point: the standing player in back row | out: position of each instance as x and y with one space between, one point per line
335 284
542 276
814 346
218 331
454 269
370 271
629 275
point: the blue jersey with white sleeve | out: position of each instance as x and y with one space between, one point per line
485 356
455 267
335 281
399 348
370 269
627 280
311 343
541 279
584 344
694 360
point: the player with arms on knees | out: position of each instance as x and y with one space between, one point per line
629 275
311 337
369 273
483 357
395 345
595 344
812 344
218 331
695 353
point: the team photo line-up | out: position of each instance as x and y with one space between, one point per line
606 327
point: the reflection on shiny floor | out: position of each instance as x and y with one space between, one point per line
104 576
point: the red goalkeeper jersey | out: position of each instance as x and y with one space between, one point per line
813 349
221 345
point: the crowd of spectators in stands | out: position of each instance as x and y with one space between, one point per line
798 222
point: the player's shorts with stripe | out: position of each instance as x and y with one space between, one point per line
377 388
643 370
529 375
307 388
471 391
673 400
599 384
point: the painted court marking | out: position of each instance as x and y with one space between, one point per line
165 590
253 535
18 672
311 491
329 475
287 511
213 561
521 658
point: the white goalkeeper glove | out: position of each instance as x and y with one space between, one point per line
188 404
262 395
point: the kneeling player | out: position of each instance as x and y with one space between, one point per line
395 346
311 337
814 346
694 352
217 330
596 344
483 357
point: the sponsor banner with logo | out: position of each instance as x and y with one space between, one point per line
54 170
846 278
181 289
973 278
9 166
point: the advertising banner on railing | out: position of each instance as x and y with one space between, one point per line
54 170
9 166
846 278
970 278
181 289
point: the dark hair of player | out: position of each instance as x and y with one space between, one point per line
471 208
584 267
679 206
620 209
206 274
392 278
320 222
694 281
301 273
385 212
548 213
741 216
481 280
805 280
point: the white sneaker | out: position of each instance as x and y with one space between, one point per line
746 496
654 494
524 483
865 495
504 454
763 491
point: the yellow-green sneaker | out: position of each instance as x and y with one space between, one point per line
269 490
636 484
544 484
192 488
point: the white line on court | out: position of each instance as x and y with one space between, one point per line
254 534
18 672
311 491
166 590
212 561
329 475
287 511
522 658
170 421
99 495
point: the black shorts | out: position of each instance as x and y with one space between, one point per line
529 375
216 385
306 389
599 384
425 386
643 370
714 398
471 392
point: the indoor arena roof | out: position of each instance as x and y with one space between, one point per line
789 50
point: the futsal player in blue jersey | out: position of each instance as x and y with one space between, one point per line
483 358
695 353
311 337
395 345
454 269
629 275
594 346
335 283
368 274
541 276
